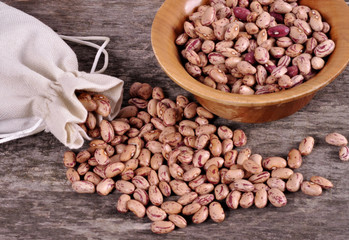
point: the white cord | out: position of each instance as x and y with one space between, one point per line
37 127
101 49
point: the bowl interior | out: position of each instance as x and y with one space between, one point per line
168 24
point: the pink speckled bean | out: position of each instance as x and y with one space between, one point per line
261 55
344 153
276 197
336 139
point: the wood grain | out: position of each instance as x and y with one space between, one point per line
36 201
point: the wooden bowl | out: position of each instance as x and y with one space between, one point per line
168 24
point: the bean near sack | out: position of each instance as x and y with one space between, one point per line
158 148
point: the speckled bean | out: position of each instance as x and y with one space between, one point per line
344 153
276 197
105 186
216 212
311 189
83 187
276 183
246 200
336 139
171 207
162 227
179 187
261 198
274 162
155 213
125 187
201 215
233 199
323 182
306 146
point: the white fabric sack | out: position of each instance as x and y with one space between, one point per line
38 78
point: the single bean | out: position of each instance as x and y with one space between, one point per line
87 101
293 184
155 213
278 31
125 187
162 227
274 162
69 159
212 174
92 177
103 105
201 215
243 156
83 156
83 187
243 185
171 207
294 158
260 177
306 146
311 189
239 138
216 212
323 182
155 195
241 44
178 220
276 183
282 173
191 208
191 174
105 186
165 188
141 196
241 13
233 199
204 199
261 198
179 187
252 167
187 198
197 181
246 200
276 197
221 191
344 153
336 139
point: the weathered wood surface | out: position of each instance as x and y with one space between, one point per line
36 201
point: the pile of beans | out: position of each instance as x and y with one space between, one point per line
96 105
254 47
158 148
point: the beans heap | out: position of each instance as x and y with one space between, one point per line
158 148
278 45
339 140
95 104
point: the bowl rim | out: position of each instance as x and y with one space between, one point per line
305 89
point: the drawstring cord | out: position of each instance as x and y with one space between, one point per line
101 49
37 127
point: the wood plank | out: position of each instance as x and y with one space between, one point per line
36 201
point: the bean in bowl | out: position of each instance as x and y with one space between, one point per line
254 47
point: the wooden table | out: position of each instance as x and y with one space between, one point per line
37 202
